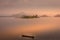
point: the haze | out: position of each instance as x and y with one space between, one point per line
40 7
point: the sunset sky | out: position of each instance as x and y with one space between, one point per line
40 7
29 7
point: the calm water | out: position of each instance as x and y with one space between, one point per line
11 25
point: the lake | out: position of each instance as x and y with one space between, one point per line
35 26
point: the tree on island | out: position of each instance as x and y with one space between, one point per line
33 16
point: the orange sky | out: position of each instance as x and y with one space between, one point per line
49 7
31 11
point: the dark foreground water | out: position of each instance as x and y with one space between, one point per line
44 28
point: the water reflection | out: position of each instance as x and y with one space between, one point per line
17 26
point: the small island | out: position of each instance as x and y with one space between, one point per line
34 16
57 15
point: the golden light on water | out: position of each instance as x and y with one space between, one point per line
32 29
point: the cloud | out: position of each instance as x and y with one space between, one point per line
28 3
10 6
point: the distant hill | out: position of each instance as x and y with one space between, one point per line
19 14
5 16
25 15
44 16
58 15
